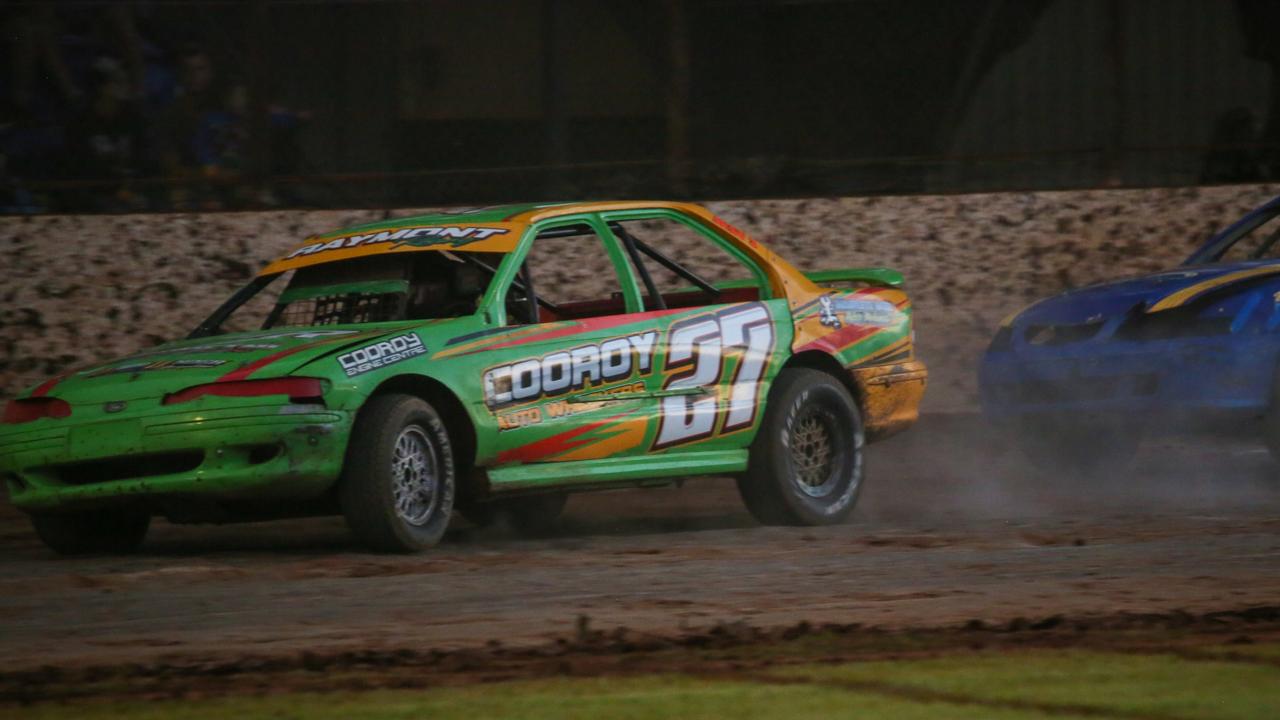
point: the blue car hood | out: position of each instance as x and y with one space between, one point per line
1100 301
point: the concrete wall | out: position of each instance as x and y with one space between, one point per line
79 289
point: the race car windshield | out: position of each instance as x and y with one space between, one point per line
363 290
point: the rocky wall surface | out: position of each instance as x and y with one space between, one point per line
80 289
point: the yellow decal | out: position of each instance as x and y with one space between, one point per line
519 418
624 436
485 237
1187 294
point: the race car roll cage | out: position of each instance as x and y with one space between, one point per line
635 247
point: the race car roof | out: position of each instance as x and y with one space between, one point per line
499 230
492 229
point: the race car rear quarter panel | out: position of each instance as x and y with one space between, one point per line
869 332
689 379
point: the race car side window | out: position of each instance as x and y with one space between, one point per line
680 265
569 273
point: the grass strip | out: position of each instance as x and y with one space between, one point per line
1009 685
642 698
1122 685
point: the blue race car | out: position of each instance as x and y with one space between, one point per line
1081 377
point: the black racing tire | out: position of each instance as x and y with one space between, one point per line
806 463
530 515
1086 445
399 479
106 531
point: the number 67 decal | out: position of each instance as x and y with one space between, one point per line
698 350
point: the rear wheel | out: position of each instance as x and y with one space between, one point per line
806 462
100 531
398 482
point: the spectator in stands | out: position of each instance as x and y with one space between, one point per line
182 134
105 142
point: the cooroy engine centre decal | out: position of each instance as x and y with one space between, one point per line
564 371
381 354
417 236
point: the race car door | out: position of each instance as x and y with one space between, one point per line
602 372
723 337
570 382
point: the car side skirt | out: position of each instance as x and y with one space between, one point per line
634 470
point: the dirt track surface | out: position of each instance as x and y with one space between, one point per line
951 528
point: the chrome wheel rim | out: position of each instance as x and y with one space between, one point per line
414 476
813 454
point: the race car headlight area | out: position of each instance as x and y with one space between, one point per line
300 390
297 389
216 450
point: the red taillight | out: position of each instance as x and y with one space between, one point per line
298 390
27 409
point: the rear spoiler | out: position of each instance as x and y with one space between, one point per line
884 277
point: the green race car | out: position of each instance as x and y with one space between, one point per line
489 362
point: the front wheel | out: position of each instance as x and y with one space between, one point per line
398 482
805 466
113 531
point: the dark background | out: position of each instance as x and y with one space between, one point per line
162 106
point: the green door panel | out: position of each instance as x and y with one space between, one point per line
629 385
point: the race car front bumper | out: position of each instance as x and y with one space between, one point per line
1177 378
275 451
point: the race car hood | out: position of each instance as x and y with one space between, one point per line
235 356
1148 293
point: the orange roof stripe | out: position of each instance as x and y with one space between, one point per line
499 230
409 237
